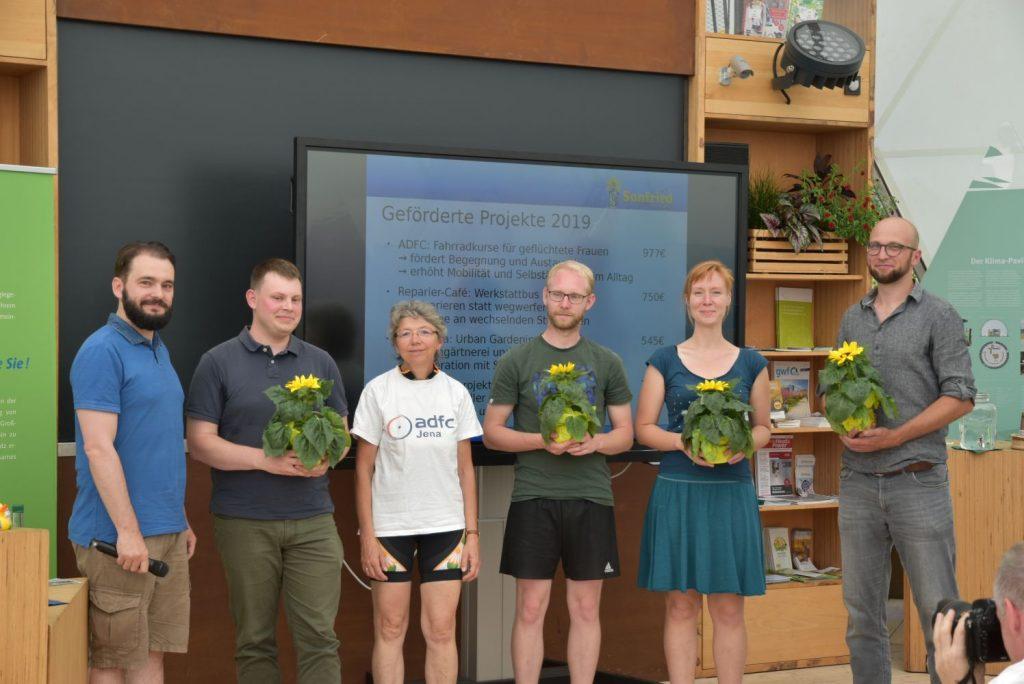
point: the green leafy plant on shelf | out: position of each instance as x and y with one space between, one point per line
841 210
762 196
821 200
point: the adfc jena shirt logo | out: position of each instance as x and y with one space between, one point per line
401 427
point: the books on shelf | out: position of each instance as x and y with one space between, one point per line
774 467
772 578
803 474
812 575
797 500
776 18
804 10
721 16
795 378
794 317
777 555
815 420
753 17
796 349
777 407
801 543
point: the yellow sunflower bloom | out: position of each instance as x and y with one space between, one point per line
850 350
561 368
713 386
303 381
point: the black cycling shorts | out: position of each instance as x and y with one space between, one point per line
440 556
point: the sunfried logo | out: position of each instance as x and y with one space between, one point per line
614 188
617 194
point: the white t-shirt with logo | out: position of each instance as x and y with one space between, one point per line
416 426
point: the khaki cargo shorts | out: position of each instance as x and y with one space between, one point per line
131 614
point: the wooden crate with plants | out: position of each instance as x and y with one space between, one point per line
808 227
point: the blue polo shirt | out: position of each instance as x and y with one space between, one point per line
117 370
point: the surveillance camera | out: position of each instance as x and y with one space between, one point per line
740 68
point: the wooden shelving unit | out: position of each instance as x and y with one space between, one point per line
800 507
794 625
802 431
805 277
28 83
809 354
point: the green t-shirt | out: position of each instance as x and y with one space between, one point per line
539 474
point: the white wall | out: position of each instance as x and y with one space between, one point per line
949 84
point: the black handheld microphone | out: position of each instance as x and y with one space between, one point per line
156 567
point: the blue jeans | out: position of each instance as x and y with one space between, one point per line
914 512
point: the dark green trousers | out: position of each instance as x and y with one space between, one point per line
298 561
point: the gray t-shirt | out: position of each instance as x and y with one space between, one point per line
227 389
921 353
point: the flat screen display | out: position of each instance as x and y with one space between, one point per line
475 233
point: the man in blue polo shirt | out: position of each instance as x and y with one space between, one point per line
272 518
130 460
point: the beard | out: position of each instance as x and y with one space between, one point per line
560 323
892 276
138 316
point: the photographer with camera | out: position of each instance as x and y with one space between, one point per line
984 633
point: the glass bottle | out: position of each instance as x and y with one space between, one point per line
17 515
978 428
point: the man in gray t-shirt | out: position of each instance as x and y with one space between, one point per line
894 486
272 518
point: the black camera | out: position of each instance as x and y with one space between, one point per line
984 640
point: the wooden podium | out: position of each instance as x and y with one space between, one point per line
988 515
24 569
39 643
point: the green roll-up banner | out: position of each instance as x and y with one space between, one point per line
28 347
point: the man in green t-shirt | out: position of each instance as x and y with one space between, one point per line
562 500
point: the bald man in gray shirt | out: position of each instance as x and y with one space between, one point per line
894 488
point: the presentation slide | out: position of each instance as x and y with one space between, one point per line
475 234
476 239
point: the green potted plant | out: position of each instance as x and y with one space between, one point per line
762 196
840 210
783 214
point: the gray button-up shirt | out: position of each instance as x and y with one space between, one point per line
921 353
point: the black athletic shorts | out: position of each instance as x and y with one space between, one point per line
541 532
440 556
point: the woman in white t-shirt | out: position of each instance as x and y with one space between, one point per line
416 494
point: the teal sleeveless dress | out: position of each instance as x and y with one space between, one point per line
702 530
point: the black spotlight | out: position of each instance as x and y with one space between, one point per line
820 54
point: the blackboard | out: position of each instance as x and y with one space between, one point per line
188 138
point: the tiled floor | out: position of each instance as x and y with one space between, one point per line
840 674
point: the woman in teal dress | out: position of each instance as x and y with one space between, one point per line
702 532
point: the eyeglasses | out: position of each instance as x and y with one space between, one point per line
406 335
574 297
893 249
